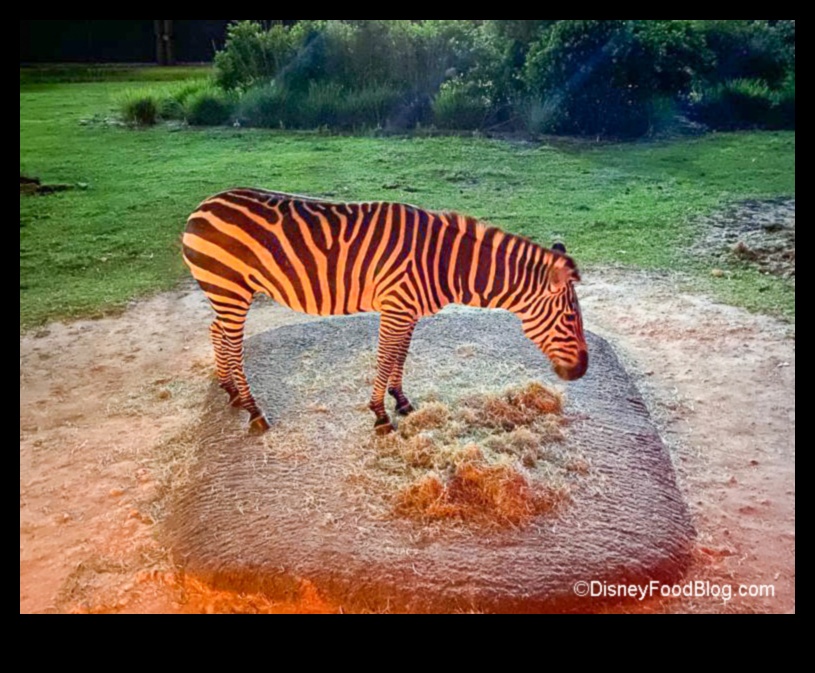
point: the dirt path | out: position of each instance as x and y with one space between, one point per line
99 400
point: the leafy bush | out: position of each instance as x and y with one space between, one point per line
208 107
170 108
458 106
324 104
608 77
139 107
668 56
579 71
785 101
252 55
619 78
370 107
265 107
749 50
739 103
409 55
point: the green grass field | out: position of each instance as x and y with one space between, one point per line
85 252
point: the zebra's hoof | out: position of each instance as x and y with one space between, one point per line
406 409
258 425
383 426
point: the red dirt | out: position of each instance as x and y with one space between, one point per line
97 399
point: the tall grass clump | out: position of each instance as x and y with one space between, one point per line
140 107
374 106
209 106
459 106
741 103
172 103
271 106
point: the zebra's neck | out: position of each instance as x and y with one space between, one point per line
500 270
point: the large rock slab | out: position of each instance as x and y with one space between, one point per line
266 514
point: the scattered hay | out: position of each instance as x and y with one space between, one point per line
428 417
494 459
478 491
515 407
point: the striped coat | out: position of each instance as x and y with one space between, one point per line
404 262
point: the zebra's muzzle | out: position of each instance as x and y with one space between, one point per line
572 371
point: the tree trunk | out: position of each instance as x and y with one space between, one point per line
163 29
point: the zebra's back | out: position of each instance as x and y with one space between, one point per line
321 257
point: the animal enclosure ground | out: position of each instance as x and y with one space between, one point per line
99 400
85 252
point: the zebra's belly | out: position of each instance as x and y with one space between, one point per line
321 294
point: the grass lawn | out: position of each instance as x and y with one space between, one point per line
84 252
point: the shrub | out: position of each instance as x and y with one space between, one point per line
785 101
253 55
370 107
607 77
208 107
749 50
537 115
171 102
618 78
269 106
412 56
739 103
170 108
668 56
322 106
408 55
458 106
139 107
576 70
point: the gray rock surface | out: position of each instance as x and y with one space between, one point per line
264 514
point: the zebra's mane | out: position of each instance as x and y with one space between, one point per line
271 195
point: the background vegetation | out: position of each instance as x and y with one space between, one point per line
115 235
593 78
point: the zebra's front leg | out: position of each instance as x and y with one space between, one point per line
403 405
393 327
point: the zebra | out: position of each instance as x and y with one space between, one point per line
404 262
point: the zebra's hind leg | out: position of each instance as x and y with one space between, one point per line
216 333
403 405
232 345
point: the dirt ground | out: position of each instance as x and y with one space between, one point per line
99 400
758 233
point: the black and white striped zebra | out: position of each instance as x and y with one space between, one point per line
401 261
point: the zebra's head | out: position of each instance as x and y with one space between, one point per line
553 320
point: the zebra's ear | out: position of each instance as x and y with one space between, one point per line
559 247
564 271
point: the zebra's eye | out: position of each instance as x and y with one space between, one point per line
569 317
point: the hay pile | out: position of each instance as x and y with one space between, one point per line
490 459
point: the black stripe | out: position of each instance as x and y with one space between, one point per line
435 229
291 230
264 238
202 228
